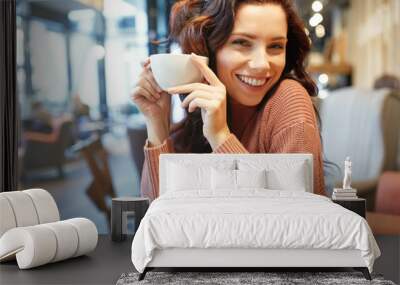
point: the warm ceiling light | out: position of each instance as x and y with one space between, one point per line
323 93
320 31
315 19
317 6
323 78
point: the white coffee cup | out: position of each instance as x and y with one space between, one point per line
171 70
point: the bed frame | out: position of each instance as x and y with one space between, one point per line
242 259
246 258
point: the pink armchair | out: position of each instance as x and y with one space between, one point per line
385 220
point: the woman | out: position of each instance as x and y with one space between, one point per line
256 94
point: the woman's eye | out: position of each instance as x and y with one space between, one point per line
241 42
276 46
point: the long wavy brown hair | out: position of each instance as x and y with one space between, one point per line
203 26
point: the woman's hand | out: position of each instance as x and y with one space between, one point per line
154 103
211 99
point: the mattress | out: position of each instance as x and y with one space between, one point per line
250 219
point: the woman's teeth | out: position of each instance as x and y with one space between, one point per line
252 81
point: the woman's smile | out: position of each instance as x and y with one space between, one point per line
252 81
252 85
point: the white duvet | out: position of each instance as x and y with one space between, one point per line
253 218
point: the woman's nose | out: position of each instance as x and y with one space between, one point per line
260 61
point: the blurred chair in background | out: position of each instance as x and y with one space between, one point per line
47 150
365 125
388 194
385 219
387 81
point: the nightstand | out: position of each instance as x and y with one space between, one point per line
356 205
123 210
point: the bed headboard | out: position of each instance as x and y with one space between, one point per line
210 159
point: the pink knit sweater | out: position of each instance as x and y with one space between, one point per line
287 124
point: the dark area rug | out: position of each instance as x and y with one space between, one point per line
230 278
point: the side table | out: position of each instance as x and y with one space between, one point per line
124 208
357 205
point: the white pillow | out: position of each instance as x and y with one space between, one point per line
251 178
183 177
220 163
293 178
226 179
223 179
282 174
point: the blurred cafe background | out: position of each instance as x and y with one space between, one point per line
81 138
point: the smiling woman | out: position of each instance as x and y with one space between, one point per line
255 97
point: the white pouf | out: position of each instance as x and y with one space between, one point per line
23 208
30 230
46 207
7 219
40 244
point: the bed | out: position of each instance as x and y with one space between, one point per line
246 211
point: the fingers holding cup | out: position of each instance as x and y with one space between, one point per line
205 70
196 94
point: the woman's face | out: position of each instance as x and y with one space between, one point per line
253 58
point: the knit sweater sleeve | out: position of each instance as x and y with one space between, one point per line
150 183
231 145
294 129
